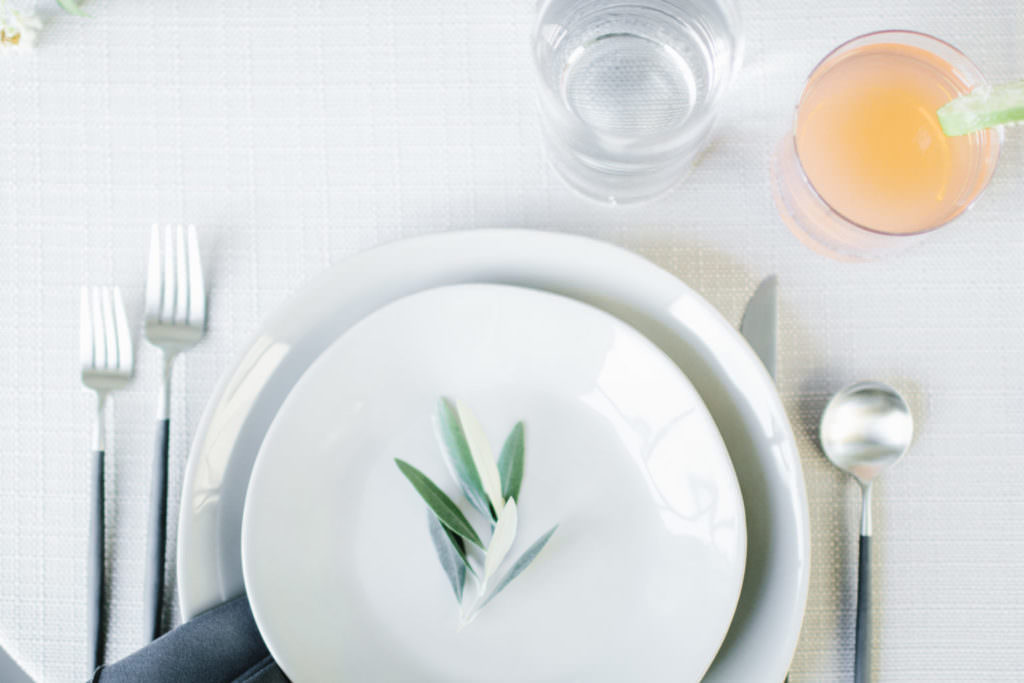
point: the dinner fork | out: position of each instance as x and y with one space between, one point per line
174 322
105 348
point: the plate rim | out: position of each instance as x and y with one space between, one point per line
546 247
677 375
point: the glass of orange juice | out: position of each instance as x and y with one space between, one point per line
867 170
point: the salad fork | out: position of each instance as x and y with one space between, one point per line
174 322
107 365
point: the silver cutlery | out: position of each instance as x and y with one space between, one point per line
107 365
865 429
759 325
174 322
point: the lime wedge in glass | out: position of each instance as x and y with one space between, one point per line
983 107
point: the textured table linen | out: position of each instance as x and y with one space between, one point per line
296 133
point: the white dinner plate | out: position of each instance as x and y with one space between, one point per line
725 371
639 581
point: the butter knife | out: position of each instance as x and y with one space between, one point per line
760 324
10 672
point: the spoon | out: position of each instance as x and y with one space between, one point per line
865 428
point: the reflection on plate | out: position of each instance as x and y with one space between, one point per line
642 577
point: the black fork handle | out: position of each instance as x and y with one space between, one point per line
94 608
157 543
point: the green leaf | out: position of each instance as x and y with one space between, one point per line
451 562
456 450
510 464
528 556
71 7
447 512
460 548
483 459
502 539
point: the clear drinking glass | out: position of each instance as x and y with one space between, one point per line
867 170
629 88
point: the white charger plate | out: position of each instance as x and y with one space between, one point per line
642 576
730 379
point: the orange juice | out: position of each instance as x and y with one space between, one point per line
870 144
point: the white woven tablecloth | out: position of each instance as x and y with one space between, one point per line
296 133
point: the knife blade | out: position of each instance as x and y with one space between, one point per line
760 327
10 672
760 323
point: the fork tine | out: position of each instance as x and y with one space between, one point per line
85 347
196 288
169 284
96 316
109 331
125 361
154 280
181 277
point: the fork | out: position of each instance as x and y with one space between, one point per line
174 322
107 363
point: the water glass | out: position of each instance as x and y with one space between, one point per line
629 90
866 170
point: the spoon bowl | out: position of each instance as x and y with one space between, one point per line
866 428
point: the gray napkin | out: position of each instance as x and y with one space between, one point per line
220 645
10 672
